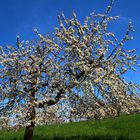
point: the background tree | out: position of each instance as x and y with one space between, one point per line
49 115
4 122
39 73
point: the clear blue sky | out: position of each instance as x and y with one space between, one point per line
21 16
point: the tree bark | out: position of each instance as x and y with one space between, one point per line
30 128
29 132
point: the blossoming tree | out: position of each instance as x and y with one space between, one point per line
78 57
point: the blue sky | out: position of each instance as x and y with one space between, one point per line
21 16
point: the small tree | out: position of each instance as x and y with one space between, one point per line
4 122
38 74
49 115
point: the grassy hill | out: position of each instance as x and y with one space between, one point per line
122 128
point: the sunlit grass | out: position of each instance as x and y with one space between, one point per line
122 128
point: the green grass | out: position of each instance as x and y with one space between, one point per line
122 128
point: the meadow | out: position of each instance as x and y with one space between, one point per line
121 128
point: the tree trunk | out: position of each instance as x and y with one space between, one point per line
31 118
29 132
118 113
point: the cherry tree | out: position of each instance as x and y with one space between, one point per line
91 105
77 57
49 115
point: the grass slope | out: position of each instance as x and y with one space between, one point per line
122 128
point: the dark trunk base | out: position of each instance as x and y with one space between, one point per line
29 132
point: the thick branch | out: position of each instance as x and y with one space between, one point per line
49 101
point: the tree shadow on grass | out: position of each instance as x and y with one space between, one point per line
83 138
